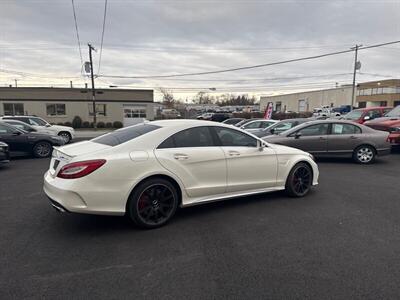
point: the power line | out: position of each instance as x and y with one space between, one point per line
102 33
77 32
249 67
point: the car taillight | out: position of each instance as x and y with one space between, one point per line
80 169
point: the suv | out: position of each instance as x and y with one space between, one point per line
362 115
389 122
67 133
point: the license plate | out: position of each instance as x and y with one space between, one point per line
56 163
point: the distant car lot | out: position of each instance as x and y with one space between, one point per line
341 241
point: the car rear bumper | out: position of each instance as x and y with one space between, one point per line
394 139
71 196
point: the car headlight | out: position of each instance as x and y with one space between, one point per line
394 129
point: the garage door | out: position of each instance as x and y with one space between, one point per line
134 114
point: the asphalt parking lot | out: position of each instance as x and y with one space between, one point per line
340 242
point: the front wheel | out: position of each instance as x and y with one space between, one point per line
42 149
299 181
153 203
364 154
66 136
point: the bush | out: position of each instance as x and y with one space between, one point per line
69 124
77 122
60 123
85 124
101 125
117 124
109 125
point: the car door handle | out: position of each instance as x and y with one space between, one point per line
180 156
233 153
353 137
322 138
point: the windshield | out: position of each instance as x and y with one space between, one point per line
354 115
37 122
123 135
281 126
395 112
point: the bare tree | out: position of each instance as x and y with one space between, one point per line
168 98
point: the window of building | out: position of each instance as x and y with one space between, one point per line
135 112
383 103
55 109
100 110
302 105
396 103
278 106
13 109
362 104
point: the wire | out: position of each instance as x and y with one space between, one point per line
102 34
77 32
250 67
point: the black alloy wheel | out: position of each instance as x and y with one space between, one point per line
42 149
299 181
153 203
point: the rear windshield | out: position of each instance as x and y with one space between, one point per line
120 136
354 115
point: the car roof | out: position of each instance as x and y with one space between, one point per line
372 108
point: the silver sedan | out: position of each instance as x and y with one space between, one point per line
335 138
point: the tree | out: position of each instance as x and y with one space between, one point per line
168 98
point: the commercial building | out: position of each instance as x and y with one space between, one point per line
379 93
60 105
307 101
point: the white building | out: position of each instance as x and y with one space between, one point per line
307 101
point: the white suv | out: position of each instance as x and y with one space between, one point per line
67 133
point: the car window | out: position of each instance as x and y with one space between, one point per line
123 135
231 137
37 122
280 127
354 115
386 110
317 129
252 125
192 137
345 129
266 124
376 113
20 126
5 129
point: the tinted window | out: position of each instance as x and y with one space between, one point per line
318 129
193 137
266 124
354 115
252 125
123 135
230 137
345 129
6 129
376 113
37 122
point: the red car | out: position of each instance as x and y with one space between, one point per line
391 123
362 115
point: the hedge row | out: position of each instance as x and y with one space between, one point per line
77 123
275 115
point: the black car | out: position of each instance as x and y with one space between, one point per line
219 117
21 142
4 153
280 127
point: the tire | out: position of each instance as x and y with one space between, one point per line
66 136
299 180
42 149
146 207
364 154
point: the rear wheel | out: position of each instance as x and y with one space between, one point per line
364 154
153 203
299 181
42 149
66 136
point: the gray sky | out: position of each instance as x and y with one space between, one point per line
169 37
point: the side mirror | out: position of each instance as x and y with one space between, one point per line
272 130
366 118
260 146
48 125
297 135
17 133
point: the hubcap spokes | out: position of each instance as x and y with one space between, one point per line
301 180
43 150
365 154
156 204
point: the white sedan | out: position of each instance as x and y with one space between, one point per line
256 125
147 170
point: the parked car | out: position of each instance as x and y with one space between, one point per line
325 111
219 117
335 138
146 171
27 127
342 110
362 115
245 121
205 116
390 122
4 153
280 127
256 125
232 121
170 114
67 133
22 142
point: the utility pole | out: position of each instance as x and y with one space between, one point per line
93 89
16 85
356 67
